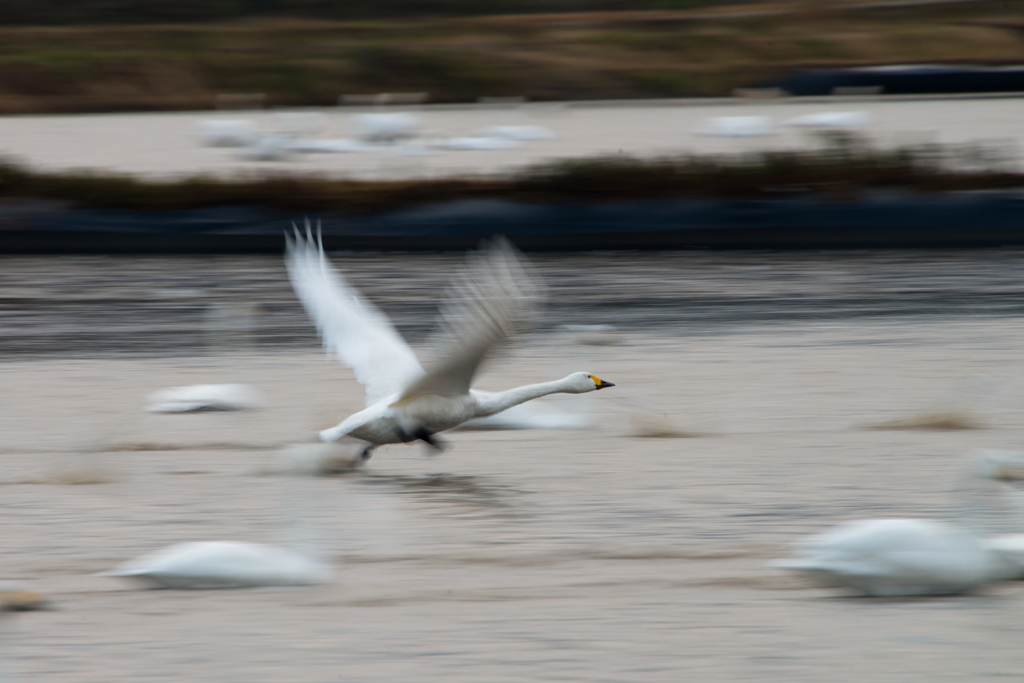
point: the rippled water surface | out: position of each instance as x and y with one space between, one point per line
596 554
154 305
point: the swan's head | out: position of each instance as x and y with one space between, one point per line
582 382
1007 466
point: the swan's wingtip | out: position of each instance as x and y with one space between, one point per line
328 436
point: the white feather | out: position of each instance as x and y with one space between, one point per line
351 327
888 557
491 299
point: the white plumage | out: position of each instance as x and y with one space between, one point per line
227 132
479 143
735 126
831 119
224 564
234 564
887 557
202 397
491 298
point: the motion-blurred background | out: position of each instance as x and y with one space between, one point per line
788 232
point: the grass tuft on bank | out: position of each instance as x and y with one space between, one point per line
844 167
305 61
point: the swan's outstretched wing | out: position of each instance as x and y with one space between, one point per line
350 326
491 299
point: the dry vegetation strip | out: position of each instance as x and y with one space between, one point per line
543 57
840 171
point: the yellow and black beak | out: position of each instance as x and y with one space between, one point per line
601 384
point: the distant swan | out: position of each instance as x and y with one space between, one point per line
224 564
889 557
234 564
492 295
202 397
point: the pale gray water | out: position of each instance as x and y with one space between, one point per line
152 305
590 555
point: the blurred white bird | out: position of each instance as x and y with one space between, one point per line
735 126
385 127
202 397
227 132
267 148
478 144
520 133
492 296
224 564
234 564
887 557
831 119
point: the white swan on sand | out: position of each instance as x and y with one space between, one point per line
890 557
492 296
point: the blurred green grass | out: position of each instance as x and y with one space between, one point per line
595 55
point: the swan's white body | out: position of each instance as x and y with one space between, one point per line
404 401
233 564
396 419
224 564
888 557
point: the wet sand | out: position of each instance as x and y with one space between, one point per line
165 144
590 555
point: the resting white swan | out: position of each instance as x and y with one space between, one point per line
201 397
224 564
887 557
491 297
234 564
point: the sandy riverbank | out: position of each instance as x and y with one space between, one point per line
165 144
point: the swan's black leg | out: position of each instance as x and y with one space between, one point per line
430 439
367 452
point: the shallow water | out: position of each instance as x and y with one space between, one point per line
585 555
82 305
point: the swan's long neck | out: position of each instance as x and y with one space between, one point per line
495 403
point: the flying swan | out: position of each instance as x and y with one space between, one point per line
890 557
491 297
